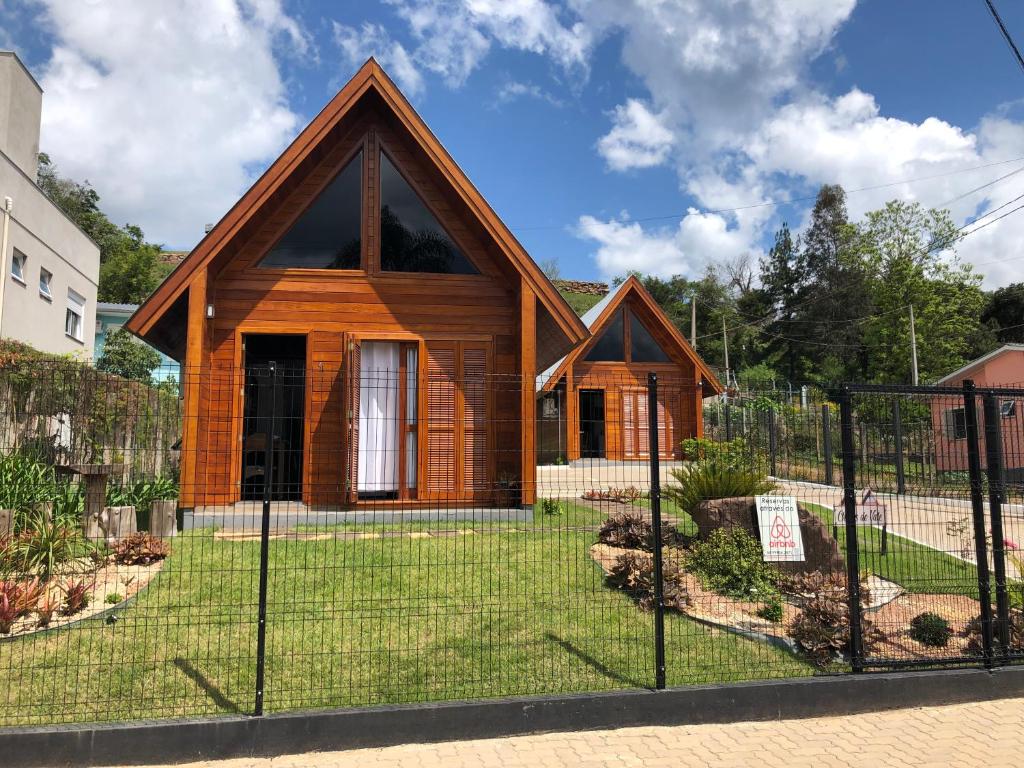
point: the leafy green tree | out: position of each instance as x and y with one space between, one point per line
910 260
1004 314
125 356
130 268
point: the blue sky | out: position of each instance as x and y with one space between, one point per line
605 132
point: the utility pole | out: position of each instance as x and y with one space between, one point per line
725 343
913 346
693 322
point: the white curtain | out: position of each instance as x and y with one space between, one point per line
378 417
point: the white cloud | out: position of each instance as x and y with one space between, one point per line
514 89
357 45
638 138
453 36
698 240
169 111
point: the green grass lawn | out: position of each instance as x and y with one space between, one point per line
489 612
915 567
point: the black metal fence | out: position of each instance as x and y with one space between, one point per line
327 537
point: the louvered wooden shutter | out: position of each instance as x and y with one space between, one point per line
353 370
643 437
442 405
629 424
474 419
668 406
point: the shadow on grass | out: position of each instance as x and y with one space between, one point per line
215 693
593 663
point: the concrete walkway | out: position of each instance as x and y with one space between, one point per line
982 735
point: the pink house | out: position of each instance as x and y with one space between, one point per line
1003 367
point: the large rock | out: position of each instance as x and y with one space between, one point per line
821 553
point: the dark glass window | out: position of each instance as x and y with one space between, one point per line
643 347
610 345
327 234
411 238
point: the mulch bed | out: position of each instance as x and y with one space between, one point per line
124 580
893 617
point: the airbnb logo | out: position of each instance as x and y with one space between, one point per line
780 530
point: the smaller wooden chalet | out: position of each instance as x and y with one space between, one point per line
593 402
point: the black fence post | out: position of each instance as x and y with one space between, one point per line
728 421
996 496
897 437
826 439
655 494
268 484
773 444
852 546
978 508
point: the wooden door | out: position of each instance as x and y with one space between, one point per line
456 464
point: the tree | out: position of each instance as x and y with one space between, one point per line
130 268
909 260
1004 313
124 356
835 294
782 281
550 268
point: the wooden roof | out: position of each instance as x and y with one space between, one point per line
601 314
370 77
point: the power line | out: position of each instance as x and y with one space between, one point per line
809 198
1005 32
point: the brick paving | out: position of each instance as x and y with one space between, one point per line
989 734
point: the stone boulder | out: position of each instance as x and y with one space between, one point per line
821 552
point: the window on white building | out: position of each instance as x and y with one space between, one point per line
44 283
74 319
18 266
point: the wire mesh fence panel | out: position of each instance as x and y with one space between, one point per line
394 523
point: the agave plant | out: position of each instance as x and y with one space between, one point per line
706 480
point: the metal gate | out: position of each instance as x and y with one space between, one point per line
933 479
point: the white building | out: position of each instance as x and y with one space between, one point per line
49 268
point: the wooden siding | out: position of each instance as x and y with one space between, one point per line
327 306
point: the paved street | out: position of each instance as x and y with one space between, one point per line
986 735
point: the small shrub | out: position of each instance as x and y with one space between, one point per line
633 573
626 495
113 598
76 597
552 507
707 480
1015 630
822 628
631 530
45 608
771 610
730 562
18 598
930 629
140 549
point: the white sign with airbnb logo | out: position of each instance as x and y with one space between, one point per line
779 525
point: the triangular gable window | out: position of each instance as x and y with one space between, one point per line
411 237
643 347
610 345
328 234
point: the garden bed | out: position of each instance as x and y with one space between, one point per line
126 581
